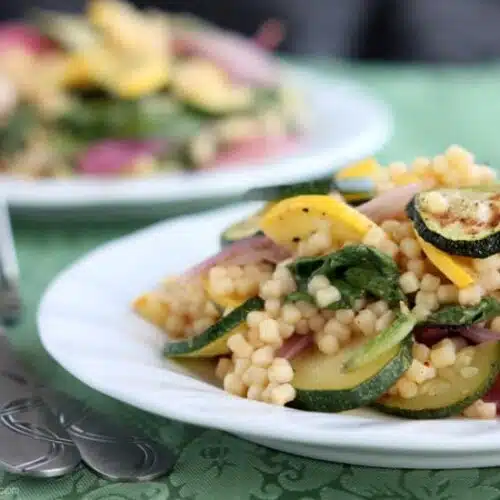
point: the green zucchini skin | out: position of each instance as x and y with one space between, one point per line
449 410
222 327
361 395
479 249
232 234
283 191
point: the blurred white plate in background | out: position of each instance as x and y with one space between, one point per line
345 124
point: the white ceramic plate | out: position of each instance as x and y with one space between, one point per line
345 124
86 324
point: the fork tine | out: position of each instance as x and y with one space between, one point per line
10 302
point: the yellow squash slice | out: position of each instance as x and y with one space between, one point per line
456 269
369 167
295 219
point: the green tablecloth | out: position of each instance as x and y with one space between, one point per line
433 108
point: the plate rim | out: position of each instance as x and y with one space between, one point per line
344 430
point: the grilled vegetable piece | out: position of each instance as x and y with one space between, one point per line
445 398
213 341
462 221
323 385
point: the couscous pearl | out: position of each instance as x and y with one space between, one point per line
470 296
255 375
327 343
270 289
410 248
254 318
344 316
224 366
263 356
239 345
495 324
379 308
469 371
327 296
234 272
253 337
234 385
272 307
482 410
254 392
365 321
282 394
447 294
241 365
217 273
280 371
286 330
409 282
389 247
307 310
317 283
429 283
359 304
290 314
316 323
302 327
384 321
339 330
427 299
374 236
443 354
420 352
419 372
490 281
406 388
269 331
416 266
436 202
421 312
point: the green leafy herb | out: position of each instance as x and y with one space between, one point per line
371 280
20 124
355 271
488 308
299 297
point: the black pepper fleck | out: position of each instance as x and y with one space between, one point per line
306 210
296 239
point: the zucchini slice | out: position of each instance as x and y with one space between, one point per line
449 397
322 384
462 222
246 228
355 190
395 333
213 341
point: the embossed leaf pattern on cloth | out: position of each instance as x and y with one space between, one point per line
216 466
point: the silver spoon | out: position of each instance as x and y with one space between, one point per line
111 450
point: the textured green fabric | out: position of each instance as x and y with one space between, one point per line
433 108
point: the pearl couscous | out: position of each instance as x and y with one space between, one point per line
259 360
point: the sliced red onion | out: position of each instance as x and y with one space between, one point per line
432 334
270 34
293 346
256 148
19 35
248 251
113 156
242 59
391 204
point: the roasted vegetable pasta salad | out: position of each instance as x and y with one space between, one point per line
119 91
324 306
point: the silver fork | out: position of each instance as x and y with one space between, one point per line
40 442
